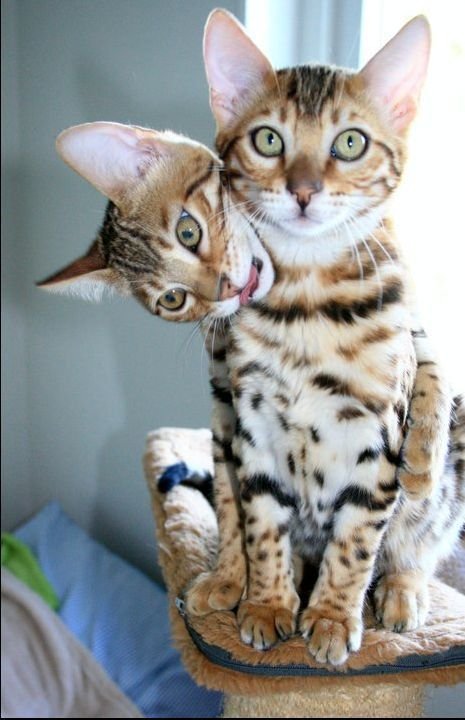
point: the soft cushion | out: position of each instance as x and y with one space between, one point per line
212 650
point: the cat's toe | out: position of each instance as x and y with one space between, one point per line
262 625
330 640
213 591
401 602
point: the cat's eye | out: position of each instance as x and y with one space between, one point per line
349 145
173 299
268 142
188 231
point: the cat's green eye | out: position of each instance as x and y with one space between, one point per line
188 231
349 145
173 299
268 142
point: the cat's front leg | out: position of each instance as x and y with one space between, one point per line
425 446
222 587
332 622
268 613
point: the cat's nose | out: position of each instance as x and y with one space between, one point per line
303 191
227 289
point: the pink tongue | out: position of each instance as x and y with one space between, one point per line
249 289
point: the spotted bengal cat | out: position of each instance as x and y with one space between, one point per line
322 368
172 239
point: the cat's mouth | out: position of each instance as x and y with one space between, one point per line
304 223
305 218
246 294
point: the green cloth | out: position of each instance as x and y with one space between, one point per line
19 560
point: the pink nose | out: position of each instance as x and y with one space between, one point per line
227 289
303 197
303 192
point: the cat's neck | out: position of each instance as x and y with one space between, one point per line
367 266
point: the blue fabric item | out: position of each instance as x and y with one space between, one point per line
119 614
173 475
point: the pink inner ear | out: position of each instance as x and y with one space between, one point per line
403 113
396 74
235 67
109 155
149 152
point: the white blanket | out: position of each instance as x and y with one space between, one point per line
46 672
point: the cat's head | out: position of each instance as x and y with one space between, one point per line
169 237
314 148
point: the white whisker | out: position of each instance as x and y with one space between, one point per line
378 277
188 341
204 352
355 252
381 246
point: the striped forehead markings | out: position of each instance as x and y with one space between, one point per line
127 247
310 87
228 146
108 231
195 184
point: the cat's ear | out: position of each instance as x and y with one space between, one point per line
235 66
111 156
395 75
87 277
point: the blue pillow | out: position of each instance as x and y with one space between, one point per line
119 614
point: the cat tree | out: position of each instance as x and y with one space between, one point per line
386 678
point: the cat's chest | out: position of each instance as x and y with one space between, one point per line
307 366
312 395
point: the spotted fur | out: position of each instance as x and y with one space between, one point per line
138 253
348 470
315 386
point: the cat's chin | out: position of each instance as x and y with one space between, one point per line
303 226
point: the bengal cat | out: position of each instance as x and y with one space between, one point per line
322 369
172 239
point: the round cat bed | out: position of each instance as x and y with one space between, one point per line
386 678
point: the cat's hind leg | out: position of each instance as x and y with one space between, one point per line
402 600
425 446
421 533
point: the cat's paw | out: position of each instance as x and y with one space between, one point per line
262 625
213 591
330 639
421 466
417 485
401 602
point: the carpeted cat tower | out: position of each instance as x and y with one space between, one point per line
386 678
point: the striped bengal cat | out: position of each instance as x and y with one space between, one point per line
322 369
172 239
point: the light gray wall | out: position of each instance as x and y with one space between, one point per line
17 500
83 384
